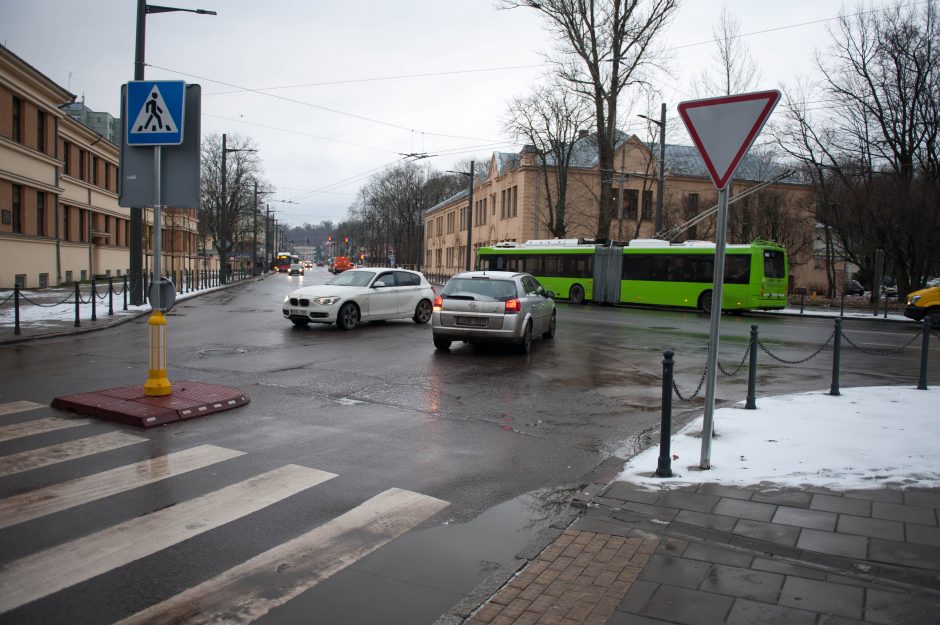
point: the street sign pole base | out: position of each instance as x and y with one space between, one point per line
157 385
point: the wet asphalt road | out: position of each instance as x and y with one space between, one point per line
476 427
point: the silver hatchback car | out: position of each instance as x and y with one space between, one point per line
493 306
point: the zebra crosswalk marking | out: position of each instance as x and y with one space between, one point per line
38 426
19 406
58 497
255 587
63 566
44 456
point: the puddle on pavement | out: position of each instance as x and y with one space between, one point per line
434 567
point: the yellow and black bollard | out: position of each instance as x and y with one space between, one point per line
157 383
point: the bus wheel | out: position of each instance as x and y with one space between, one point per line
705 302
576 295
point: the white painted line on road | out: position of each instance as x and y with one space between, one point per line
271 579
58 497
53 454
60 567
38 426
19 406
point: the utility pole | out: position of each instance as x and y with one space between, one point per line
470 175
268 257
662 166
254 232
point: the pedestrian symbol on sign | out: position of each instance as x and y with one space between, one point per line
153 116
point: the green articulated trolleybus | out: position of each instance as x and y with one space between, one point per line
649 272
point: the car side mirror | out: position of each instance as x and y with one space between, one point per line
378 284
549 294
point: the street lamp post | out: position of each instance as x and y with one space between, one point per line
137 213
662 165
469 174
222 244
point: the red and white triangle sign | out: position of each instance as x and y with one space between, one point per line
724 128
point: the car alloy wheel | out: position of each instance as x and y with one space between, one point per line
422 312
348 316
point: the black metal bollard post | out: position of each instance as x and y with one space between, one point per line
110 296
836 358
124 291
751 402
924 349
16 309
78 301
842 308
802 298
94 297
664 464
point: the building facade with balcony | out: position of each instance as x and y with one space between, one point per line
510 203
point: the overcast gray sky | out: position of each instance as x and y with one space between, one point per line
334 91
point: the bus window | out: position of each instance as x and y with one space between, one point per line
774 264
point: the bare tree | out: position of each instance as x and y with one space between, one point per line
551 119
874 153
228 219
606 45
735 70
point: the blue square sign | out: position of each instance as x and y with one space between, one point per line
154 114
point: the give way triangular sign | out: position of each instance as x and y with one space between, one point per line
724 128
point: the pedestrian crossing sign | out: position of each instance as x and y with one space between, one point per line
154 113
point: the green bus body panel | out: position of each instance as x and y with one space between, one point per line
759 293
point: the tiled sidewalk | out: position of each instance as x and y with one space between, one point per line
715 555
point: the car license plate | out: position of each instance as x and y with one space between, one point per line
298 311
477 322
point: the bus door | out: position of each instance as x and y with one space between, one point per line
608 265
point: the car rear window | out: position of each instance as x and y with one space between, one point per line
480 289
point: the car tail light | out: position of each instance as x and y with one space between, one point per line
438 303
513 305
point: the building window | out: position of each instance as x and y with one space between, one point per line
437 257
514 205
693 202
82 230
94 170
81 165
41 213
66 225
462 222
17 120
107 176
450 222
41 131
43 280
17 208
439 226
68 276
66 158
630 201
84 274
647 204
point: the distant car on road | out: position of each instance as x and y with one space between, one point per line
362 295
296 269
854 287
493 306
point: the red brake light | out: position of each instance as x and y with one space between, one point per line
438 303
513 305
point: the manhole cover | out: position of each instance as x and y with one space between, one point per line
221 351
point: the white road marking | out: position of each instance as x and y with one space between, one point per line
63 566
19 406
57 497
38 426
255 587
44 456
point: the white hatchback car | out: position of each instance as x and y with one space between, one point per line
372 294
493 306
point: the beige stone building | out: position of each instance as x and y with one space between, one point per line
59 214
509 204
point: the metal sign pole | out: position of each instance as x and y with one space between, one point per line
712 367
157 384
157 234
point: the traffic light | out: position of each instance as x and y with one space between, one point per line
346 240
329 238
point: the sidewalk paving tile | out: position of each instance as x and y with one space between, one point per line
904 554
688 607
901 512
698 502
873 528
922 534
675 571
744 583
787 568
747 612
844 505
922 498
710 521
712 553
826 597
885 606
752 510
770 532
844 545
783 497
801 517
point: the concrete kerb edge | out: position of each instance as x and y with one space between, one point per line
123 319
